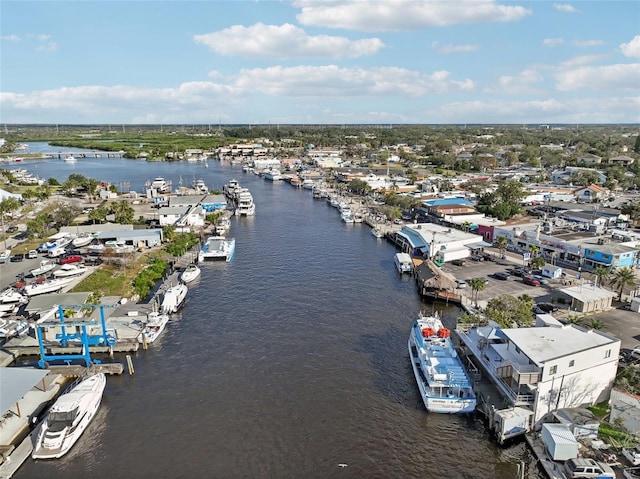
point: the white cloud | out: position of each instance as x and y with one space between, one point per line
284 41
10 38
48 47
521 83
631 49
552 42
454 48
565 7
331 80
43 37
588 43
579 60
600 78
401 15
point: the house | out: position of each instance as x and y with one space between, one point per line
437 242
546 368
551 271
621 160
590 193
587 298
181 216
589 159
563 176
612 256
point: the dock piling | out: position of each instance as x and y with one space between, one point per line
130 365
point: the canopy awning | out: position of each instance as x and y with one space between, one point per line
479 244
15 383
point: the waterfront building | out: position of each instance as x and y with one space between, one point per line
588 298
437 242
546 368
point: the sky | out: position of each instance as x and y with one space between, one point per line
319 62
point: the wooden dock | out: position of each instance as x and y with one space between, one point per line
551 468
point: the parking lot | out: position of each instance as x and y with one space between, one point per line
619 322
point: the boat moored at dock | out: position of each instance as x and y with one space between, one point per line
443 382
156 322
69 417
174 298
217 248
403 262
190 273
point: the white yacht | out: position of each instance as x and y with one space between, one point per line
160 184
11 296
443 382
190 273
46 286
82 239
245 205
67 270
69 417
154 326
217 248
272 174
46 265
403 262
201 187
70 158
174 299
222 226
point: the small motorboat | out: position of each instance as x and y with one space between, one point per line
190 273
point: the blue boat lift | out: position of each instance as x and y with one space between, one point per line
105 338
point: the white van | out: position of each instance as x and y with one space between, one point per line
32 254
55 252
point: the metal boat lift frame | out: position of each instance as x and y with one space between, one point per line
86 340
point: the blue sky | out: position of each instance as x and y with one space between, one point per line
319 62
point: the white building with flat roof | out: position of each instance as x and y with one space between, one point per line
547 368
439 242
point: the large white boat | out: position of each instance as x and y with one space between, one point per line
231 188
160 184
190 273
217 248
67 270
222 226
69 417
174 298
11 296
70 158
444 384
403 262
47 286
82 240
245 205
45 266
272 174
154 326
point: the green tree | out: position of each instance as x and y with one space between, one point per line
623 278
602 275
502 243
538 262
7 206
98 214
509 311
477 285
122 211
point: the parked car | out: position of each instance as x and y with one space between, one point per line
632 454
531 281
12 229
580 467
17 257
541 279
458 262
501 275
547 307
32 254
521 272
461 283
71 258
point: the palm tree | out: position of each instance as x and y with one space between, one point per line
534 250
623 278
538 262
7 205
477 285
596 324
602 275
502 243
466 225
